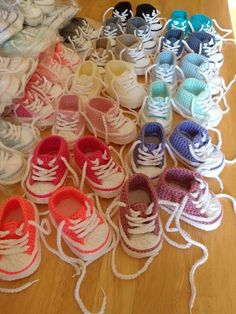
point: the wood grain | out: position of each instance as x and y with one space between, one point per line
164 288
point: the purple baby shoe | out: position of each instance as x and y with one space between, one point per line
191 144
148 152
186 193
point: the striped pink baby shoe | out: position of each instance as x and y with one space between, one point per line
185 196
140 228
109 121
202 208
69 121
139 221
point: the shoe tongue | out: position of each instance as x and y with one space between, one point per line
98 155
69 114
44 160
142 208
171 40
12 228
165 66
201 139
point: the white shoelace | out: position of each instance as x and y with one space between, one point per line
41 174
135 54
43 87
62 123
77 40
100 58
13 132
103 172
81 228
145 158
209 50
158 109
139 225
110 32
87 30
10 131
5 155
68 55
36 105
144 35
167 46
162 74
127 82
17 246
206 104
200 201
26 5
122 15
152 18
4 14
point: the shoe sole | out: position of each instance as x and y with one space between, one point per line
194 223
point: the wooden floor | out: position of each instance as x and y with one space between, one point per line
164 288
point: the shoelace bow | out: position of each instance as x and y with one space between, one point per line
63 124
140 225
